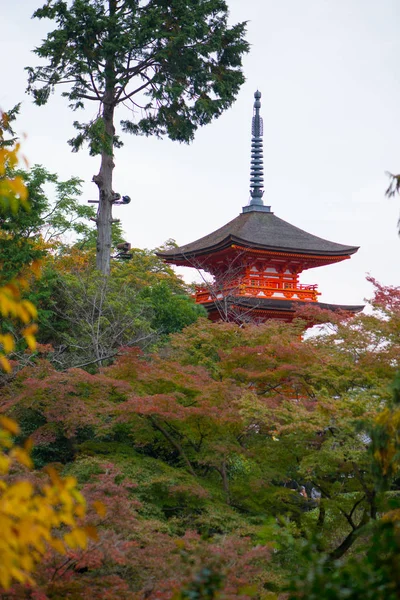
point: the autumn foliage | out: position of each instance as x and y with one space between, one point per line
13 196
196 459
215 450
36 514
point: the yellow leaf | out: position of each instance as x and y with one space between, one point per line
8 343
57 545
5 577
100 508
81 537
91 532
4 464
22 490
52 473
31 310
32 329
18 575
27 563
9 425
76 538
69 539
22 457
5 364
31 341
80 510
36 267
28 445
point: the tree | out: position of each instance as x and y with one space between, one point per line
306 413
34 515
28 234
179 63
372 572
202 449
87 318
171 312
13 195
393 189
99 315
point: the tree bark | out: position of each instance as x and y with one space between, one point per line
321 515
104 179
349 539
225 482
174 443
104 183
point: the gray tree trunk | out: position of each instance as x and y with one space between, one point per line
104 183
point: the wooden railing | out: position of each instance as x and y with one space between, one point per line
289 291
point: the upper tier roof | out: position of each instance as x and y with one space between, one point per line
261 230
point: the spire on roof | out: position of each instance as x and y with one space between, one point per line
257 167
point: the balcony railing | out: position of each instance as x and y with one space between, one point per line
253 288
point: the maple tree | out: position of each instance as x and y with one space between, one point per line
34 517
218 446
372 572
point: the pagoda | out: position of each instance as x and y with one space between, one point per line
256 259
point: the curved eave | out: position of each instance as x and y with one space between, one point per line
182 255
275 305
263 231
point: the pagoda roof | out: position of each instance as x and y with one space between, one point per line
281 305
259 229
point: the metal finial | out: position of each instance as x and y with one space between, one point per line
257 168
256 203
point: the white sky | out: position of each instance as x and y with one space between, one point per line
329 74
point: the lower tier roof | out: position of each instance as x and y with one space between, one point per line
277 306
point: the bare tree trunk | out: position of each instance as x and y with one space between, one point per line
104 183
225 480
349 539
174 443
104 179
321 515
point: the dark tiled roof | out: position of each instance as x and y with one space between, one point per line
262 230
284 305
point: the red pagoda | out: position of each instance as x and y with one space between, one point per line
256 259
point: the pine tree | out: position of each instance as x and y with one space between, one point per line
178 62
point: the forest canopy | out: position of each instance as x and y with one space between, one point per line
224 455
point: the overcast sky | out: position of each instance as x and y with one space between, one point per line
329 75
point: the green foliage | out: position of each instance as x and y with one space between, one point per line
180 61
393 190
14 309
222 445
87 317
373 573
7 129
172 312
145 269
205 586
27 235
